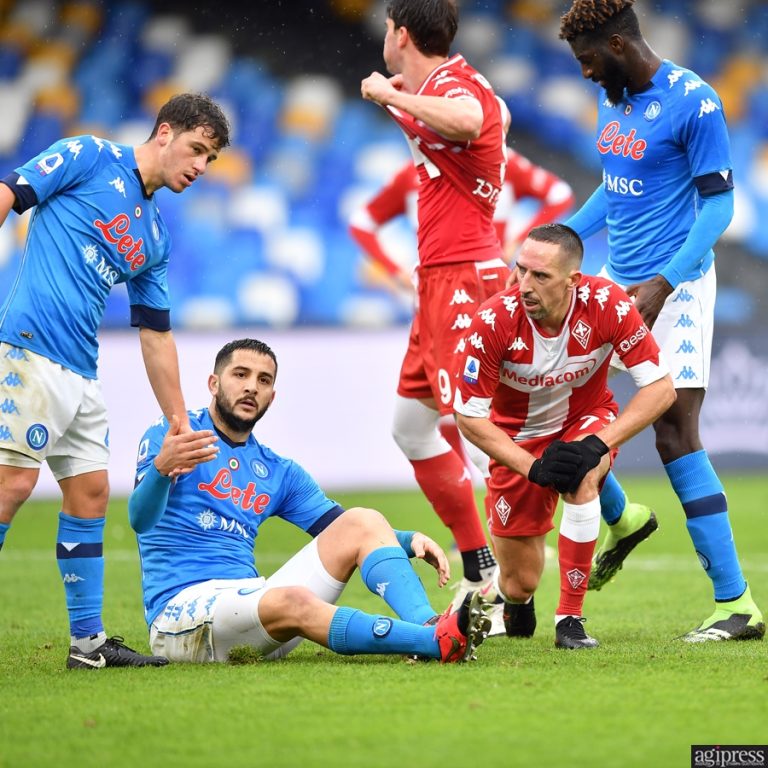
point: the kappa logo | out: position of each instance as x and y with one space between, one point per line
381 588
12 380
674 76
5 434
683 295
517 345
75 147
488 316
707 106
575 577
684 322
71 578
582 333
460 347
502 510
119 185
622 309
510 304
113 148
476 340
686 374
462 321
9 406
601 295
584 292
16 353
686 347
692 85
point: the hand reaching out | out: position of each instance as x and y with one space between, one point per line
182 449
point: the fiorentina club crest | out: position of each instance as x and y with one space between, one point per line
503 509
581 332
575 577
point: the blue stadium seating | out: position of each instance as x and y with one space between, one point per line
299 178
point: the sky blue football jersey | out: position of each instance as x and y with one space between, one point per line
93 226
652 145
214 513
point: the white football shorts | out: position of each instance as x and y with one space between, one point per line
205 621
49 413
684 329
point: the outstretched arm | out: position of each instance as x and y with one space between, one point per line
180 452
161 362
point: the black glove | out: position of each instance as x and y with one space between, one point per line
591 449
557 465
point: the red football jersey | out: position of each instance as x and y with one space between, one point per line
460 180
532 385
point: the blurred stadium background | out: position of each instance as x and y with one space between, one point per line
262 243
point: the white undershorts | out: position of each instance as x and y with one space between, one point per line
205 621
49 413
684 329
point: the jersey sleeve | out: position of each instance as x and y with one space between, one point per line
391 200
149 446
150 288
702 130
62 166
304 503
633 341
452 86
480 365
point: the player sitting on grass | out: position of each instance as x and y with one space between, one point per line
197 520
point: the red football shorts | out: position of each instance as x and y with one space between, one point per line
448 296
518 507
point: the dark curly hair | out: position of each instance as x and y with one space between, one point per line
187 111
600 19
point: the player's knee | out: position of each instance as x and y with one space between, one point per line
671 444
16 486
358 521
298 607
518 587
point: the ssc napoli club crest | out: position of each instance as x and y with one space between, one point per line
259 469
382 626
37 437
652 111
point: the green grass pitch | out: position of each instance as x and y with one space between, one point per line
641 699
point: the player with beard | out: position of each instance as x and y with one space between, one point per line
197 524
665 199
